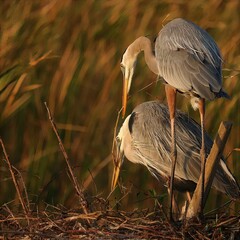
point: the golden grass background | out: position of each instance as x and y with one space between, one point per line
69 54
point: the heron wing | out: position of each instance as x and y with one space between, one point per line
189 59
151 140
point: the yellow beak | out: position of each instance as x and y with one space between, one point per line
115 176
124 96
117 161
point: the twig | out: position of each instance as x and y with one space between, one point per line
115 134
77 187
12 218
115 160
234 150
211 165
25 209
24 187
147 86
229 221
220 207
119 200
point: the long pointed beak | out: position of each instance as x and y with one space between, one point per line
115 176
117 166
124 96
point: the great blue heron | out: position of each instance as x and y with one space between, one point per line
145 138
189 61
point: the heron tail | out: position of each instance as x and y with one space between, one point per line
223 94
225 182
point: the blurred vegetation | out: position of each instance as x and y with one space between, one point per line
67 53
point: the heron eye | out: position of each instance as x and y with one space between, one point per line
118 141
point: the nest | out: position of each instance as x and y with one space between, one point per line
59 222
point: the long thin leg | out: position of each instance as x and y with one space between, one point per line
202 153
171 99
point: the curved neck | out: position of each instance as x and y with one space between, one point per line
144 44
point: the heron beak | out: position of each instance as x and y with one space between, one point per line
124 96
115 176
117 166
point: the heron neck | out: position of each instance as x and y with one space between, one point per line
150 59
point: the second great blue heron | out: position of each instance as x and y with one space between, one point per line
145 138
189 61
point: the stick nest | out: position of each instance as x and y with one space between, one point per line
59 222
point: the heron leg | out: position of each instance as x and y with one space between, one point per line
171 99
202 153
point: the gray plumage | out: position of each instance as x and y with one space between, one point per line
145 138
189 60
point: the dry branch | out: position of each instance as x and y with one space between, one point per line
77 187
15 182
210 169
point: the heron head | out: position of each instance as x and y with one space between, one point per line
127 65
